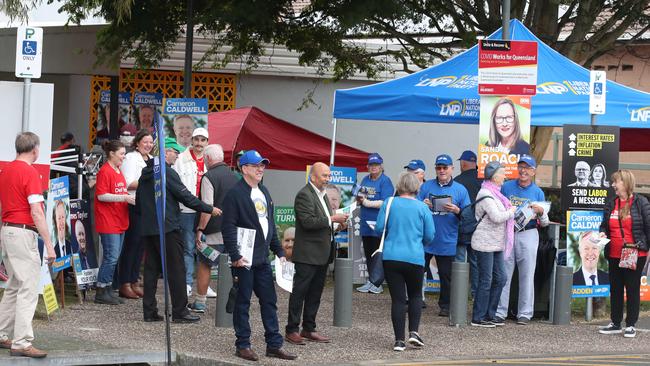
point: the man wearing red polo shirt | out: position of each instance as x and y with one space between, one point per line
23 219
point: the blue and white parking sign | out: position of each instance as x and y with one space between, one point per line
29 52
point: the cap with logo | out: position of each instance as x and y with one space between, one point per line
444 159
415 164
170 143
200 131
468 155
375 158
528 160
252 157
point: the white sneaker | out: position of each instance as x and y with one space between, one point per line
365 287
376 289
189 290
211 294
630 332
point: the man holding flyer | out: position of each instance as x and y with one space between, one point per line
248 220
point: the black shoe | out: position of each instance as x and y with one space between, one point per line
499 322
154 318
523 321
399 346
280 353
187 318
115 294
443 312
483 324
103 296
611 328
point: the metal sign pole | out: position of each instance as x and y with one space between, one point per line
27 92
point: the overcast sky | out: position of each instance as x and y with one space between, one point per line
45 15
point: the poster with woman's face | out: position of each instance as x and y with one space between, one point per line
504 132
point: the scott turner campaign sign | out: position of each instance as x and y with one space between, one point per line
590 157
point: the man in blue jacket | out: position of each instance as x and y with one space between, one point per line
248 205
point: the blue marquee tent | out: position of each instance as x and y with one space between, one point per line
448 93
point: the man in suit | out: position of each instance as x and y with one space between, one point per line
313 251
588 273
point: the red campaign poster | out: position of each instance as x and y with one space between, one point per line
507 67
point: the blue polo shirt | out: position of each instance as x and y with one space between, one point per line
518 195
378 189
446 237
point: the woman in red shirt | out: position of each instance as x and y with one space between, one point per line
626 221
111 218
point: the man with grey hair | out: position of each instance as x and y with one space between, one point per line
215 183
581 170
23 220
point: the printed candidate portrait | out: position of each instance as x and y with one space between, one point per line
181 126
589 270
288 240
61 229
598 176
582 169
144 115
505 128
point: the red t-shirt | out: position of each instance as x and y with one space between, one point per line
19 181
616 240
200 164
110 217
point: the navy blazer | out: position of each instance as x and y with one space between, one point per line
239 211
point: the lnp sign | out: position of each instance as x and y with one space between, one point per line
507 67
597 93
29 52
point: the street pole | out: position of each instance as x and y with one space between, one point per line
505 20
27 92
189 45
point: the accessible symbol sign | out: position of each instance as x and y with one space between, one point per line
29 52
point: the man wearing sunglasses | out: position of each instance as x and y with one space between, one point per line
453 197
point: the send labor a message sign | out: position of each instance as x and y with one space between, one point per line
507 67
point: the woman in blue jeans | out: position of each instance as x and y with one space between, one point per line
408 229
494 235
111 218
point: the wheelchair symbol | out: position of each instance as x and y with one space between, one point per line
598 88
29 48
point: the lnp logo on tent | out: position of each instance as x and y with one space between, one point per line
640 115
462 108
554 87
433 82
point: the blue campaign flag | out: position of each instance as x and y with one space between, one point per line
160 181
448 93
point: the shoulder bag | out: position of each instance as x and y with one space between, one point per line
630 252
376 268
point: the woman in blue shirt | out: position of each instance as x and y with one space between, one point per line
374 189
409 228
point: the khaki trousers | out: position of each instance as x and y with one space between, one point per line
23 264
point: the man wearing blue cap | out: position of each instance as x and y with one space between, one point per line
446 221
371 193
417 167
524 253
249 205
469 179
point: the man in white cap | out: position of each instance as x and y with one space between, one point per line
191 166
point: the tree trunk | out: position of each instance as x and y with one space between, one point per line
540 137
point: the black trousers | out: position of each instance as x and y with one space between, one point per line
623 278
175 273
443 262
308 283
404 278
132 251
370 245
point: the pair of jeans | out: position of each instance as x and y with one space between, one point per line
308 284
491 279
473 269
175 273
620 278
111 249
188 224
524 255
258 279
370 245
131 258
404 279
461 253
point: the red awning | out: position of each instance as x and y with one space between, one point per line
287 146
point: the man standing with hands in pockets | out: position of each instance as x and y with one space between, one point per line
248 206
23 220
313 251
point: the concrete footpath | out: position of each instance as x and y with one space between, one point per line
91 334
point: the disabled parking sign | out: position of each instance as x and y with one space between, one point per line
29 52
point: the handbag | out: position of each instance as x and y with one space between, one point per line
376 268
630 252
232 296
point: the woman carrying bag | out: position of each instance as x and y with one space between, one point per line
408 228
626 222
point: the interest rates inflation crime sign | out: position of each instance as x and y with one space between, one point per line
507 67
